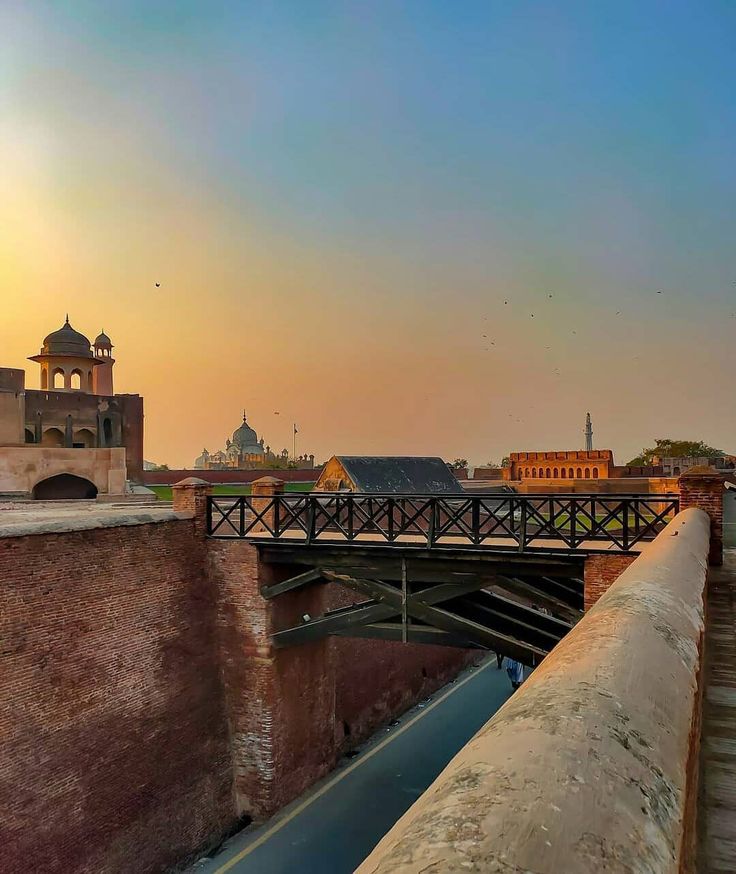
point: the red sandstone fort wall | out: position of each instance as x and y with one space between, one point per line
115 752
233 477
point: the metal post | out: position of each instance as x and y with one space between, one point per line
310 518
522 532
432 521
404 591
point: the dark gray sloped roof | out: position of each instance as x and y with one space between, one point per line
400 474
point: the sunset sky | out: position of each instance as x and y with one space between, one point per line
338 199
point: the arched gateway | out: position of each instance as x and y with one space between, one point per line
64 486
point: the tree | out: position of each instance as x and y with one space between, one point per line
459 463
506 461
667 448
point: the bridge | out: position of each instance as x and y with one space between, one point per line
485 571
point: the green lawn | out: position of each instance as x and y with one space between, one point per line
164 492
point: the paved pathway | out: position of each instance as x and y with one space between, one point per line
332 828
718 797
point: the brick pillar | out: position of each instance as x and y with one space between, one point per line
702 487
190 496
262 490
280 702
600 572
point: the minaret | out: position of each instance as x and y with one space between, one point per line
588 433
102 374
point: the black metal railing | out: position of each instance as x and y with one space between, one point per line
571 522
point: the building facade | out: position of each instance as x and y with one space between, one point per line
568 464
75 409
246 451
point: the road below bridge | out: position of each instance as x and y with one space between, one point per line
334 826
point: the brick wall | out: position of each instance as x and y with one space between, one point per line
703 488
600 572
231 477
115 752
280 702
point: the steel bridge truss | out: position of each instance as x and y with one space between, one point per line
520 609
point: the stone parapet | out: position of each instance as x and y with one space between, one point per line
592 764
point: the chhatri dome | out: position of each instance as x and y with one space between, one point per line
67 341
246 439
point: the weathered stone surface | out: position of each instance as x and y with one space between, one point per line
586 768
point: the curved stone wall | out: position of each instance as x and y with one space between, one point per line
592 764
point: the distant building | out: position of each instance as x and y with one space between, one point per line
675 466
74 437
245 451
392 474
570 464
588 433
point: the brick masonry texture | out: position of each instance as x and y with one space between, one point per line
600 572
144 707
115 753
706 492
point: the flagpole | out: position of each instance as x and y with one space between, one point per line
294 444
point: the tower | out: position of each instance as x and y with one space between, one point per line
67 362
102 374
588 433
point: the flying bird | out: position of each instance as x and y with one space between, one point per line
505 302
158 285
532 315
549 295
277 414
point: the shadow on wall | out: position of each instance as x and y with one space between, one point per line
64 486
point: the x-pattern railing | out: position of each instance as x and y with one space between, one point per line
512 521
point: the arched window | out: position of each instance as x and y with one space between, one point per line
107 431
534 473
76 380
571 473
57 378
556 473
84 439
526 473
53 437
595 473
29 436
564 473
549 473
587 473
580 473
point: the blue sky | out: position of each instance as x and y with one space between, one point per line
397 170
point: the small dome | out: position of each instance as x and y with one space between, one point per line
245 438
67 341
103 340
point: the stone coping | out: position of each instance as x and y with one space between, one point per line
592 764
22 519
